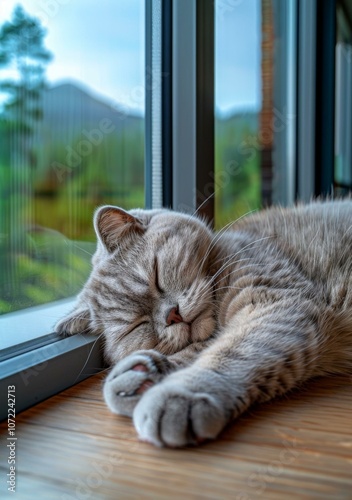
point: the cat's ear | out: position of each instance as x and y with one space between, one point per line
78 321
112 223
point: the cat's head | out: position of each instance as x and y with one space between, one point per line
150 286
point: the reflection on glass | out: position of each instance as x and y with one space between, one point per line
71 138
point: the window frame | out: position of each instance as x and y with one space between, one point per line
37 374
181 94
285 102
305 77
325 97
27 329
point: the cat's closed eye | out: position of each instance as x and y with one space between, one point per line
156 277
134 327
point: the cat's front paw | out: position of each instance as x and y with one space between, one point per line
78 321
131 377
181 411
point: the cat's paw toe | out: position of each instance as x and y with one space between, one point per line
172 414
130 378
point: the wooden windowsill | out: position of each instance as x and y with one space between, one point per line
71 446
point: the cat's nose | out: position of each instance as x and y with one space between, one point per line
173 316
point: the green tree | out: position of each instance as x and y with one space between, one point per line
24 57
22 50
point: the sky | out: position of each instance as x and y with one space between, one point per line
100 46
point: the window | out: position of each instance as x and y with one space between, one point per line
72 136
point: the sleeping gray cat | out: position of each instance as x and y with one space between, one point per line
199 326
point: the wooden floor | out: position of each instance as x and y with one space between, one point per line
72 447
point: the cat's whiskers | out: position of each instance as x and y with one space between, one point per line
79 248
217 237
230 287
238 269
226 257
233 257
203 203
205 289
204 284
89 355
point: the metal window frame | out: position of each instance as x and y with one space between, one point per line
158 130
325 96
153 124
166 108
193 106
45 371
305 83
205 109
185 139
31 324
285 101
343 117
306 102
47 364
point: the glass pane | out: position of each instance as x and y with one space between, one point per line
71 137
238 144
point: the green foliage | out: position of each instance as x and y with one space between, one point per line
237 167
47 268
38 263
113 173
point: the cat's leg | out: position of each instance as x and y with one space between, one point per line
77 321
263 352
139 371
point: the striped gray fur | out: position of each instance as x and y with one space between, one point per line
261 307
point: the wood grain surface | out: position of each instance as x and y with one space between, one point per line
72 447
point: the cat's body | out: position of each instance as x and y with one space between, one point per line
220 321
